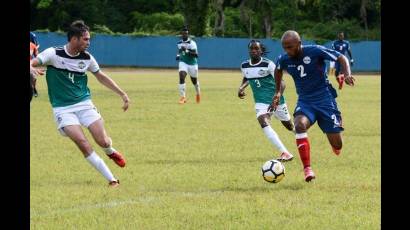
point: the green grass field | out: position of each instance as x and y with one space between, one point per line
197 166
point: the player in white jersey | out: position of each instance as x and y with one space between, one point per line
188 64
258 73
71 99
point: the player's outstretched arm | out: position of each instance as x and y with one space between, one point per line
349 79
241 90
109 83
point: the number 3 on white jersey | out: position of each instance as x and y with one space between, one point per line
302 70
258 84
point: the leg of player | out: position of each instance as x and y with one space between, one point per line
302 125
35 93
335 140
100 136
288 125
31 86
273 137
339 78
182 75
77 136
195 82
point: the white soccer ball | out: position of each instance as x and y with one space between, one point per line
273 171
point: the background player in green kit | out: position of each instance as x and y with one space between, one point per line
71 99
258 72
188 64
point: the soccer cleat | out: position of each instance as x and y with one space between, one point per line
198 98
285 157
117 158
336 151
114 183
182 100
309 175
340 79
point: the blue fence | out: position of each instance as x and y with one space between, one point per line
218 53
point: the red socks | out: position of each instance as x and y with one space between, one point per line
302 143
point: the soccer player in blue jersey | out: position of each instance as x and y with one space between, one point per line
316 101
343 47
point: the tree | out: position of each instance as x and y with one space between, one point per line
219 26
196 14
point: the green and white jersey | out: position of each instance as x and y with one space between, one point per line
261 80
66 75
183 56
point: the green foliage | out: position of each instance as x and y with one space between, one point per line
154 23
317 19
196 13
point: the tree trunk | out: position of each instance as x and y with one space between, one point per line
245 17
219 27
363 15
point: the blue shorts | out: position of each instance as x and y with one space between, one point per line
325 112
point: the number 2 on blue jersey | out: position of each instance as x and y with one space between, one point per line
302 70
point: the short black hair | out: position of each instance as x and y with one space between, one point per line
185 28
77 28
263 47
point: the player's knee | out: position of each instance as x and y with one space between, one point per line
83 143
262 121
104 142
300 127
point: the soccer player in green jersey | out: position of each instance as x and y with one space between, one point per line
188 64
258 72
70 96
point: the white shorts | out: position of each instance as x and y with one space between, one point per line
192 70
281 112
83 113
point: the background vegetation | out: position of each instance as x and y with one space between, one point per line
315 19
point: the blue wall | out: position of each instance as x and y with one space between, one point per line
217 53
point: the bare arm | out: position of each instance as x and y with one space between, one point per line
279 90
109 83
349 79
241 90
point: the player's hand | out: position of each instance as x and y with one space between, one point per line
241 93
275 102
351 62
36 71
349 79
126 101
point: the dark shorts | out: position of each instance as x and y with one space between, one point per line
324 112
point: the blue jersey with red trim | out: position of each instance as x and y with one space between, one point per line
309 71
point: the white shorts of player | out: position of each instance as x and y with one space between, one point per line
192 70
281 112
332 64
82 113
